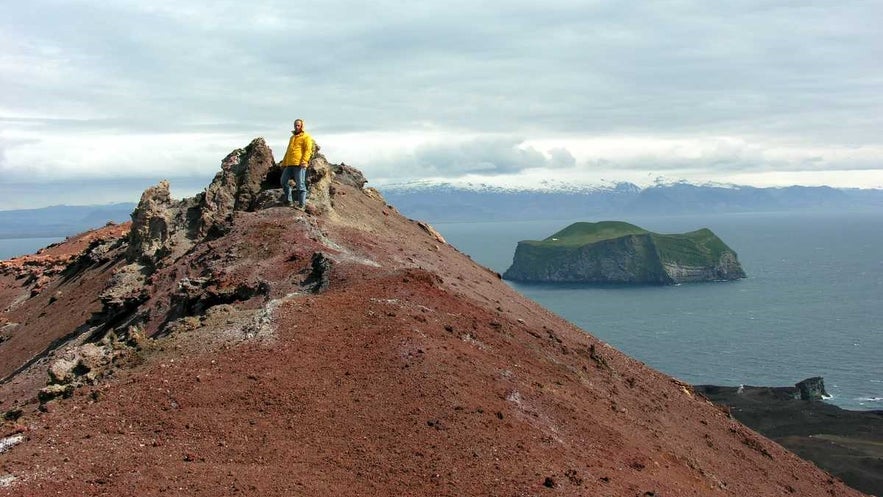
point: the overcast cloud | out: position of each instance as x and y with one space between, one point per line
131 92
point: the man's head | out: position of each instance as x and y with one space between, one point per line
298 125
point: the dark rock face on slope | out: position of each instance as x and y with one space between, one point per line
621 253
229 345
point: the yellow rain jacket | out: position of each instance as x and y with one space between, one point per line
300 150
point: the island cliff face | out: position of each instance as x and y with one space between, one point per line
228 345
617 252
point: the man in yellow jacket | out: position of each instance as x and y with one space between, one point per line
295 163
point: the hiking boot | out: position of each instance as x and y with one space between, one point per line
290 203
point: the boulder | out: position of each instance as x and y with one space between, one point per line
319 177
812 388
349 175
83 364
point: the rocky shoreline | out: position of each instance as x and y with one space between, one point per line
847 444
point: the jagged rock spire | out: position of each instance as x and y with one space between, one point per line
236 186
150 223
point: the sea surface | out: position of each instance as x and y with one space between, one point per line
14 247
812 304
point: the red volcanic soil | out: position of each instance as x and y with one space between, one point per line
416 372
43 300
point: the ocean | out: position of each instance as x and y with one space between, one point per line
812 304
14 247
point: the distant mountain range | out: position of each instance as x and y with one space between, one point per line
436 202
450 203
60 220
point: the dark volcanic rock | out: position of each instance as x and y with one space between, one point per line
812 388
849 444
320 276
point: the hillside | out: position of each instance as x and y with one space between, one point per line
618 252
227 345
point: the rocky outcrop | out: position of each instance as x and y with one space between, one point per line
163 230
319 177
144 294
235 187
248 180
79 366
619 253
811 389
163 227
151 224
125 290
349 175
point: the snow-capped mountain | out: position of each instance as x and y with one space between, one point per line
448 201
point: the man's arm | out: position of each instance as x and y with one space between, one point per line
308 150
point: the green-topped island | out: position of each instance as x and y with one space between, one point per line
618 252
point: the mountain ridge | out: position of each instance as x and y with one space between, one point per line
227 344
450 203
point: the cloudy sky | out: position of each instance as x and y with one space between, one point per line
99 99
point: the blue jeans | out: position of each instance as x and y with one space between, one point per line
300 183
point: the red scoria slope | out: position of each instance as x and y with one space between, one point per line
391 365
